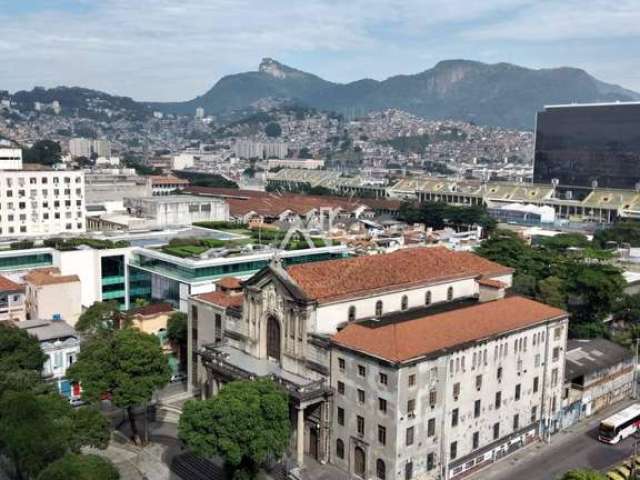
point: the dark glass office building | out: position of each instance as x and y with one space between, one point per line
580 144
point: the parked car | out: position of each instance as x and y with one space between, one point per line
178 377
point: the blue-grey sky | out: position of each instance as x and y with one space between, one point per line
177 49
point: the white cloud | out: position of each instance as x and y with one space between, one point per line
175 49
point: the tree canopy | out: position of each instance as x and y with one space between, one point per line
438 215
246 423
19 350
80 467
45 152
566 271
273 130
99 317
177 328
127 364
583 474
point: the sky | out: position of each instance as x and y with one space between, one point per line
168 50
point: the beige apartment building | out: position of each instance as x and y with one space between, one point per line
50 295
12 304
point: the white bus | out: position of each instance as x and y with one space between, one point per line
619 426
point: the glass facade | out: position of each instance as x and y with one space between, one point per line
113 279
580 145
19 262
139 285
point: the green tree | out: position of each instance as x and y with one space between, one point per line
128 364
90 428
177 334
19 350
45 152
99 317
273 130
583 474
551 292
34 430
246 423
80 467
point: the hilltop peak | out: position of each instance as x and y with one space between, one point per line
274 68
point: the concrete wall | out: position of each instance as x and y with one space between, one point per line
64 299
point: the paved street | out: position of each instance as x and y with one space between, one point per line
574 448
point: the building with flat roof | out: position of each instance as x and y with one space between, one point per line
10 158
588 145
40 203
177 210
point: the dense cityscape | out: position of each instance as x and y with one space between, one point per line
433 276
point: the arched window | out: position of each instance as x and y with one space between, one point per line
427 298
379 308
381 469
450 293
339 448
352 313
404 303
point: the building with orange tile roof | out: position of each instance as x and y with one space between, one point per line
12 303
50 295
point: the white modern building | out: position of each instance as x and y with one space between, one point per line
177 210
41 203
10 159
85 147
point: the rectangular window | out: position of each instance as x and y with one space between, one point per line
341 388
517 393
383 378
430 461
433 398
516 422
499 374
556 354
408 471
475 442
453 450
537 360
341 364
456 390
536 382
340 416
554 377
478 382
498 400
362 371
360 395
454 417
476 409
557 333
382 435
534 413
382 405
496 431
431 427
218 321
411 407
412 380
360 425
409 436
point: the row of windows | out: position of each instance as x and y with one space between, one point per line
44 192
404 304
21 181
23 228
34 217
45 204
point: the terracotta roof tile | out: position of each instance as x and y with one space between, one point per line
268 204
344 278
488 282
152 309
403 341
7 285
231 283
221 299
49 276
167 180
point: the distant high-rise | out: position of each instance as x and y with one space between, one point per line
199 112
84 147
589 145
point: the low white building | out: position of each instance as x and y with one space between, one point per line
61 344
178 210
52 295
10 159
